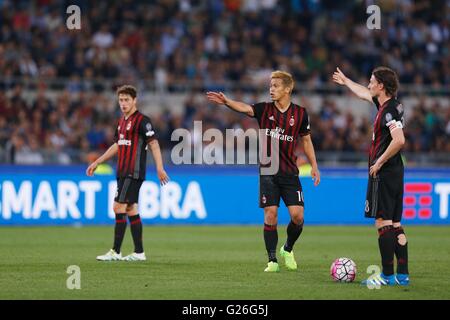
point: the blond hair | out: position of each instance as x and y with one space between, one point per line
286 78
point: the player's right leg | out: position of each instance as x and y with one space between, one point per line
381 203
119 232
269 199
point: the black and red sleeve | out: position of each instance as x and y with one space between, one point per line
258 109
147 130
305 126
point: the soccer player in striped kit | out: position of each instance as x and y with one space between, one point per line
384 200
134 132
282 122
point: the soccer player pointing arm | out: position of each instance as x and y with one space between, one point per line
133 134
384 200
284 121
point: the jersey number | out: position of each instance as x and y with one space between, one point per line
300 196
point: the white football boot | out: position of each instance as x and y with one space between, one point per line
135 257
111 255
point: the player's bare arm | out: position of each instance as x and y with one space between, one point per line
220 98
308 147
111 152
398 140
361 91
156 152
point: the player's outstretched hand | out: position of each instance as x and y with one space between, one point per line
216 97
163 177
90 170
339 77
315 174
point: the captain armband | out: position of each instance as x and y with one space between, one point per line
394 124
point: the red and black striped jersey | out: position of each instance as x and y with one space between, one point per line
132 135
389 117
284 126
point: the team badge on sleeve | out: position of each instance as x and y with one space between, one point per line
149 132
388 117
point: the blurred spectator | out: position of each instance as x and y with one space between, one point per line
189 43
308 38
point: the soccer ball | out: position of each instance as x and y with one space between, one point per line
343 270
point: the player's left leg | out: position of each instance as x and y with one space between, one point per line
401 253
136 233
294 230
295 226
135 223
292 194
401 245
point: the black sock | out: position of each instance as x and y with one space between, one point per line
386 242
136 232
271 240
119 231
293 232
401 252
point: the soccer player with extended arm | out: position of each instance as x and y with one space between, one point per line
284 121
384 200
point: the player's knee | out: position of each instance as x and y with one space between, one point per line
401 238
271 216
119 208
298 219
378 223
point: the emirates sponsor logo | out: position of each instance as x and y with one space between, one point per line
278 133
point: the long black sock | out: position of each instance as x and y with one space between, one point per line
271 240
293 233
401 252
386 242
136 232
119 231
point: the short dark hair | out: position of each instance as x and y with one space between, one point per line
388 78
127 89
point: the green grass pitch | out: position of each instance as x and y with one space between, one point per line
211 262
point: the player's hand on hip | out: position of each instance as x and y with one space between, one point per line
90 170
339 77
216 97
315 174
163 177
373 171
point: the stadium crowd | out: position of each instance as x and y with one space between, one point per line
71 127
214 43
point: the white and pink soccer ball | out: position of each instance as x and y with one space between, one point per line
343 270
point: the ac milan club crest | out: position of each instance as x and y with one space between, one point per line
129 126
291 121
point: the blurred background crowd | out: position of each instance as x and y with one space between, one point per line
190 46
